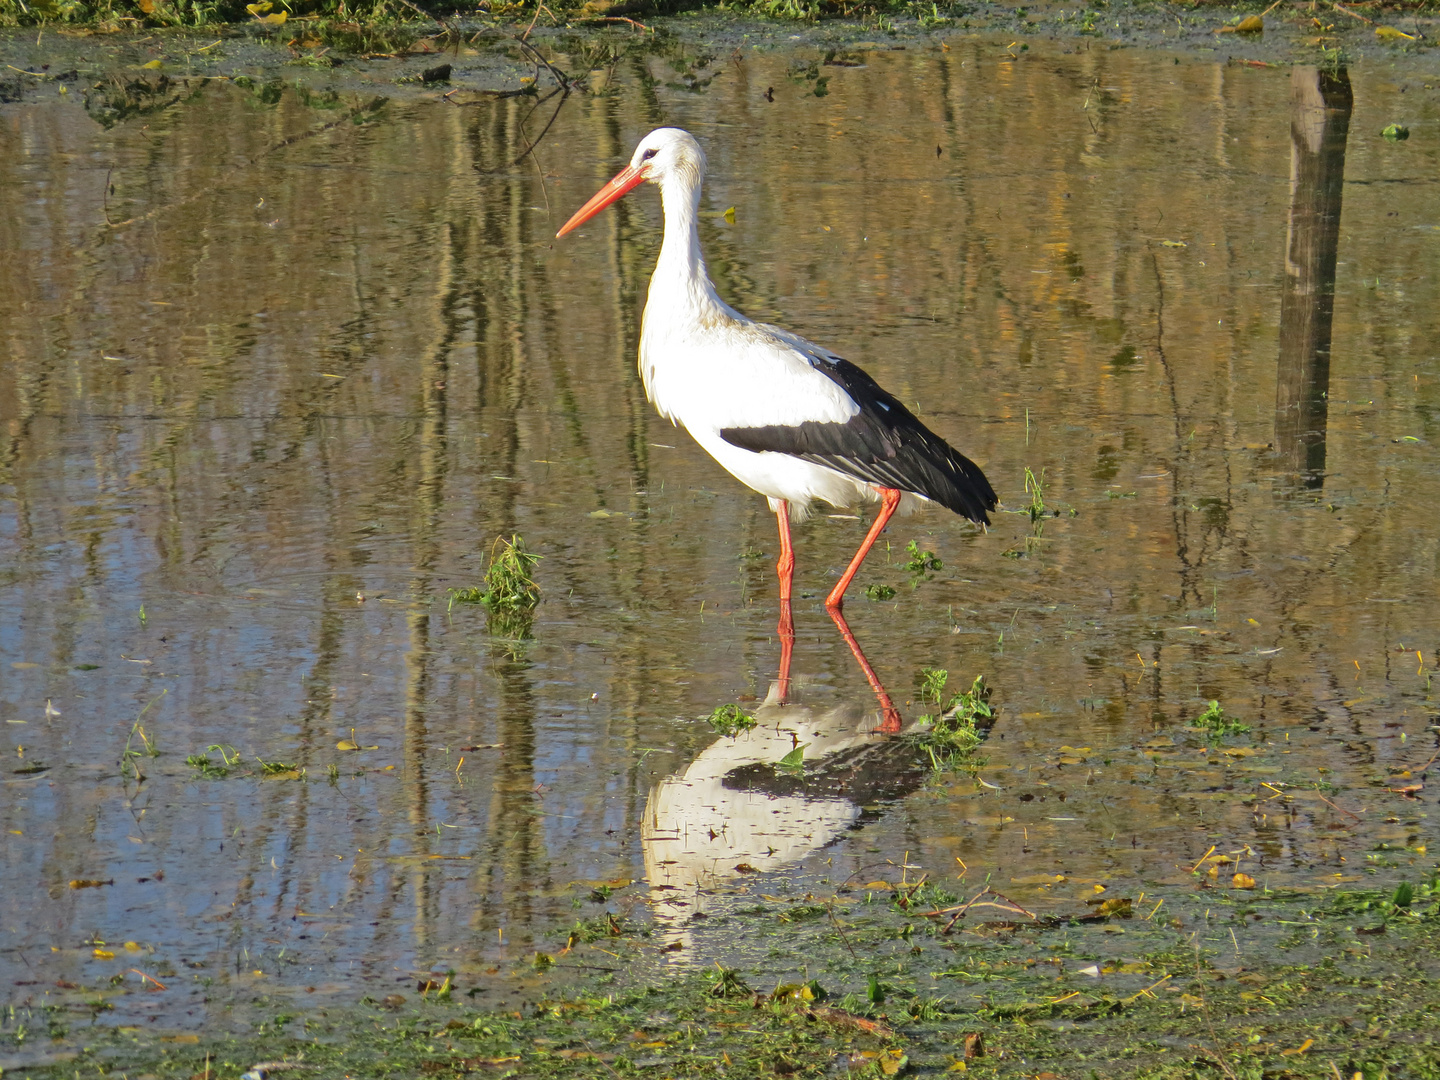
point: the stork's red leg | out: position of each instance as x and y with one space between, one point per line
889 715
889 500
785 569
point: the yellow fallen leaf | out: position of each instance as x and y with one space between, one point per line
276 18
729 215
1242 881
133 946
147 6
104 954
259 9
879 885
1251 24
346 744
153 65
180 1038
892 1061
1298 1049
1389 33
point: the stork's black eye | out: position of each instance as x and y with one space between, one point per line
648 154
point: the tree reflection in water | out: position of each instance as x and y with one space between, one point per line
1320 105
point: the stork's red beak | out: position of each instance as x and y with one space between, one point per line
626 180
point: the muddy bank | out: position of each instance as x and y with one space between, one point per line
469 56
874 978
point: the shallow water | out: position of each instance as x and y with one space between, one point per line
263 405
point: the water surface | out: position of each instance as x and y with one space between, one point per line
264 404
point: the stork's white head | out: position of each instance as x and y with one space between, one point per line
667 156
670 152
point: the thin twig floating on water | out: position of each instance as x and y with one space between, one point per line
1353 14
613 19
975 901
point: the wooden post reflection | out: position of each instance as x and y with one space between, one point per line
1320 104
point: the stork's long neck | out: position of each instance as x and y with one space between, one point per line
680 288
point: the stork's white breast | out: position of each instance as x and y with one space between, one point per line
731 372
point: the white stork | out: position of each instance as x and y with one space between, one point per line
784 416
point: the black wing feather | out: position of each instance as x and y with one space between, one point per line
883 444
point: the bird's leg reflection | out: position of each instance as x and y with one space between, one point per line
890 722
785 569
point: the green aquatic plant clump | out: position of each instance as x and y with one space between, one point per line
509 581
1215 721
920 565
730 720
952 732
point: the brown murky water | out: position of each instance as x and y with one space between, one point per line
292 402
